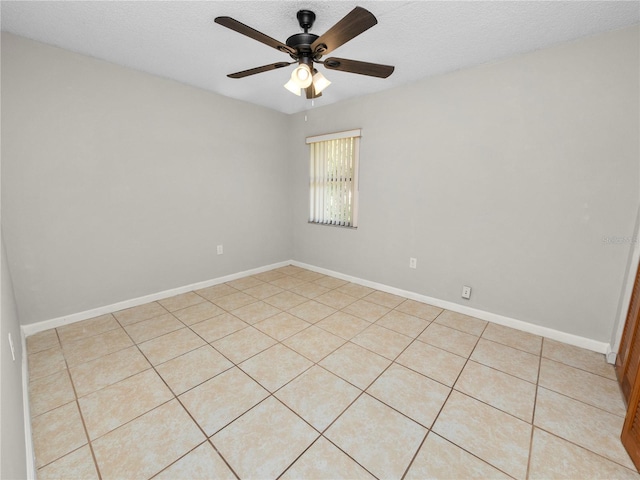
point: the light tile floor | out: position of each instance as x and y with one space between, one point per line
294 374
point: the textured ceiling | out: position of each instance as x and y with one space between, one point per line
179 40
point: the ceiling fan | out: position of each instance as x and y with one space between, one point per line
307 49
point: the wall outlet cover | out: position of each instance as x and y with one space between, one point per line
466 292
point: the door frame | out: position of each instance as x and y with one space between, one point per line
627 289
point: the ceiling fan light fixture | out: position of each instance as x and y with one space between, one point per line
308 48
292 87
320 82
302 76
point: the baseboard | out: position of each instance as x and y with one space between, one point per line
571 339
610 355
587 343
26 413
32 328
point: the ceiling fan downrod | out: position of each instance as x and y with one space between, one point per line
301 42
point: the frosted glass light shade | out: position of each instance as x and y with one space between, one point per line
302 76
320 82
292 87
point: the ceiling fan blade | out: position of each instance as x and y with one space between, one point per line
252 33
363 68
264 68
352 25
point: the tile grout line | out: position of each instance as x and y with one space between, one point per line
77 402
271 394
489 405
533 413
91 335
299 456
469 359
179 458
501 371
472 454
349 456
362 392
580 401
321 432
152 367
414 456
538 386
406 471
582 447
614 380
175 397
452 388
542 354
522 349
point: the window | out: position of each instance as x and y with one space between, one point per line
333 178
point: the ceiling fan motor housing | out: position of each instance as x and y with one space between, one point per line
301 42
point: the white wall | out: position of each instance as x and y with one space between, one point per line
117 184
12 445
504 177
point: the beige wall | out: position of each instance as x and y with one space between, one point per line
117 184
504 177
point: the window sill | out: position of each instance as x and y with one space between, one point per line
331 225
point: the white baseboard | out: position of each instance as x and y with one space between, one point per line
26 413
571 339
610 355
31 328
583 342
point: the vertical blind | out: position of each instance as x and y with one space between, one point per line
333 182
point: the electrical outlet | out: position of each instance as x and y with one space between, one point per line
220 250
466 292
413 263
13 352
